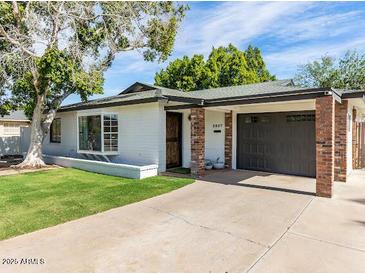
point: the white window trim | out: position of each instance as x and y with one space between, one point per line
101 113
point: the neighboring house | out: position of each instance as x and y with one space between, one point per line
10 125
14 133
272 126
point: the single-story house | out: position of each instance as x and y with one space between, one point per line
273 126
10 125
14 133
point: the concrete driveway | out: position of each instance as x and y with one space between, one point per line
232 221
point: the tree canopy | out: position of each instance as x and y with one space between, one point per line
49 50
346 73
225 66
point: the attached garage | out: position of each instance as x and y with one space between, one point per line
277 142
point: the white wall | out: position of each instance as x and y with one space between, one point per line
186 141
214 142
68 145
141 134
349 138
121 170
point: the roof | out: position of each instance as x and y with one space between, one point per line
144 93
137 93
350 93
247 90
17 115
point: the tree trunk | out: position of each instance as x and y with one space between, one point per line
34 157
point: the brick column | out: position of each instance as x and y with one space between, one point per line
228 139
325 131
197 142
354 139
341 141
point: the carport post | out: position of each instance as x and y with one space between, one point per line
325 143
341 128
197 142
228 139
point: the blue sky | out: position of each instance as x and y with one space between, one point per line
288 33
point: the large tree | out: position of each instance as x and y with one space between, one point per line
347 73
225 66
49 50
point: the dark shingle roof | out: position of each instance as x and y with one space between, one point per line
247 90
153 93
141 92
17 115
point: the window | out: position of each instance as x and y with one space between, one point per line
300 118
98 133
11 129
90 133
251 119
110 132
55 133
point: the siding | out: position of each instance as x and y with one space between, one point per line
186 139
141 134
68 145
349 137
214 141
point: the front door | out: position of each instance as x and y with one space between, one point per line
173 139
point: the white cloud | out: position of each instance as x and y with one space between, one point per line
289 33
285 62
231 22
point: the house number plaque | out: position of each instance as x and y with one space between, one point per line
217 128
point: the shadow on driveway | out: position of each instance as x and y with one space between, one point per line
260 180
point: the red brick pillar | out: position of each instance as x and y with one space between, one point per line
354 139
197 142
341 141
228 139
325 132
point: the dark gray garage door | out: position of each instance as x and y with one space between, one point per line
277 142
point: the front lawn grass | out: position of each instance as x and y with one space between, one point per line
32 201
180 170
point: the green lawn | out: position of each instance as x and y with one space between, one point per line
180 170
32 201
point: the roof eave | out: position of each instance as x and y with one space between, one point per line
14 120
255 99
190 100
112 104
357 94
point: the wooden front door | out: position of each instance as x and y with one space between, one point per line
173 139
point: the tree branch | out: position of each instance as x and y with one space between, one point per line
15 42
16 13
